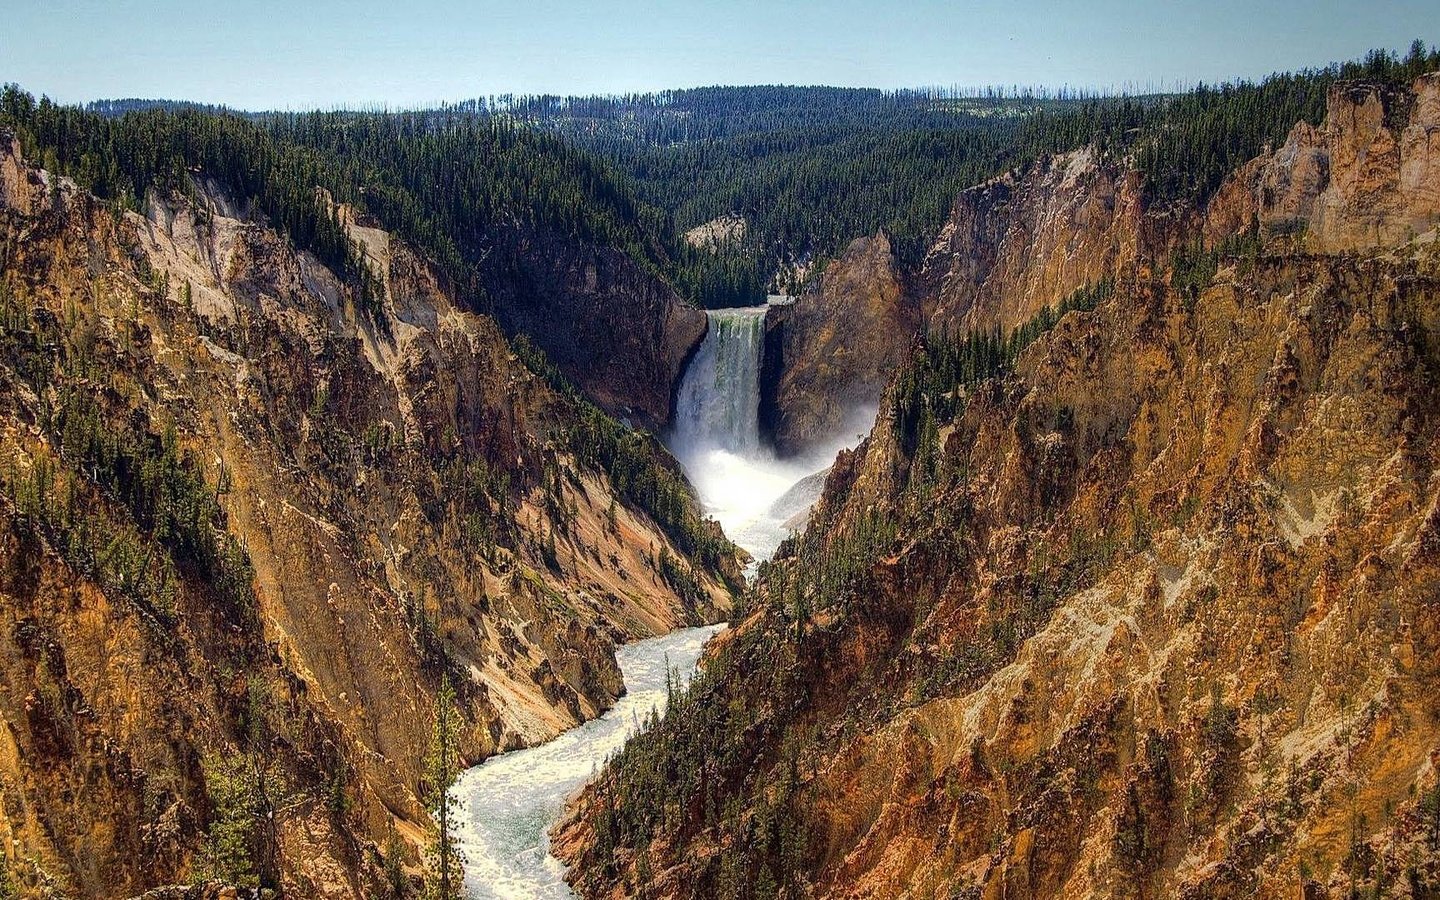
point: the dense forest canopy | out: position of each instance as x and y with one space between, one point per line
447 185
812 168
807 168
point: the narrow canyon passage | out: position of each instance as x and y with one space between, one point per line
508 804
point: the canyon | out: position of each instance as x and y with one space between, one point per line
1070 535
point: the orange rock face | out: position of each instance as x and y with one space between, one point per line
1368 178
1154 613
394 489
1009 247
1027 239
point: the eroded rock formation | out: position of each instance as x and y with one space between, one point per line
1369 177
619 332
393 498
1010 246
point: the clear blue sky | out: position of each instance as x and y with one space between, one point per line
308 53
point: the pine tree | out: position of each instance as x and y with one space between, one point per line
242 845
442 767
394 864
229 850
8 891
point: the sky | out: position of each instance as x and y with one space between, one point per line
326 53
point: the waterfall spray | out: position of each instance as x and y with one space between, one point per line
717 437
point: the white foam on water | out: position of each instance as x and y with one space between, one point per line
508 803
741 492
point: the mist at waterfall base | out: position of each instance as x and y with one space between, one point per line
717 438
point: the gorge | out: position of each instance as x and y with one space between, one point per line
1132 589
377 486
508 803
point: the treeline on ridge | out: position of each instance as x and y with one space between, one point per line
809 169
812 168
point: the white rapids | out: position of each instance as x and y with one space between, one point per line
509 802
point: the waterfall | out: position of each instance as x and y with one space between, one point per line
718 404
717 432
716 437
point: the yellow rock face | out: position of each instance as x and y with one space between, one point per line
1160 618
359 470
1367 178
1236 696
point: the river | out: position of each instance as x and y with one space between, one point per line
509 802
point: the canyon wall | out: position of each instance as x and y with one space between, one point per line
619 332
1365 179
1010 246
347 501
1144 608
829 354
1028 238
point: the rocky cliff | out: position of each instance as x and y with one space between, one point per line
829 354
1010 247
619 332
1026 239
252 517
1135 601
1368 177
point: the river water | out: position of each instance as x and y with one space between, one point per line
509 802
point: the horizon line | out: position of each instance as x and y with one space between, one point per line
1127 89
